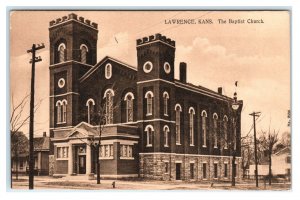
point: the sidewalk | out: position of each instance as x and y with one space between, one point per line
50 183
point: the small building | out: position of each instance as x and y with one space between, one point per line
41 154
281 165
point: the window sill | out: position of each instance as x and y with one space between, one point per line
166 145
166 115
149 145
215 178
192 145
215 147
106 158
178 144
62 158
225 148
127 158
61 122
204 146
205 179
148 114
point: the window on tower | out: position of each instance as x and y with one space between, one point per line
166 99
149 98
61 111
150 132
166 136
83 50
61 53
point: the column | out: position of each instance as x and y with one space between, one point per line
88 159
70 161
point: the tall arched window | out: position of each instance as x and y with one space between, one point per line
191 125
109 102
234 134
150 132
83 53
166 136
90 103
58 111
215 129
225 132
149 97
129 106
64 111
204 129
61 52
166 99
178 110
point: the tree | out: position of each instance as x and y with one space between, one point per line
19 145
18 119
268 142
101 116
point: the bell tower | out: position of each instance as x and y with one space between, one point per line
73 51
155 74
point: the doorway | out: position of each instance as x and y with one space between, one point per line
82 164
178 169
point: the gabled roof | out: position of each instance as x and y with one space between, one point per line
95 67
41 143
283 150
84 129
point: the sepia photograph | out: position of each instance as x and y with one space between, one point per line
149 100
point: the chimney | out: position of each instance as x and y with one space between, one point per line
182 74
220 90
44 134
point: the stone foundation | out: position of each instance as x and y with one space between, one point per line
153 166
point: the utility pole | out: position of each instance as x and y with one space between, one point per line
33 60
255 114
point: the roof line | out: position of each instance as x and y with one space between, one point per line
96 66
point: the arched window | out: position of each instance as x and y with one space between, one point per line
90 103
61 52
166 136
166 99
108 95
58 105
108 71
234 134
64 111
83 50
215 129
225 128
149 131
149 97
204 129
129 106
191 125
178 110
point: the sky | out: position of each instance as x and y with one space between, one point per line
256 55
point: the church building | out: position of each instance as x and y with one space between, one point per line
152 125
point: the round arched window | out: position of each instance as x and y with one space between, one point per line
61 82
148 66
167 67
108 71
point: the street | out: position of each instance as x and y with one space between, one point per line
49 183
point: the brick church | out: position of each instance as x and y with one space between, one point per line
155 126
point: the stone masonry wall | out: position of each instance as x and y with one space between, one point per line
153 166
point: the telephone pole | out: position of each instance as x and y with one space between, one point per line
33 60
255 114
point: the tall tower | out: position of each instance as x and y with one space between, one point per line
155 76
73 51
